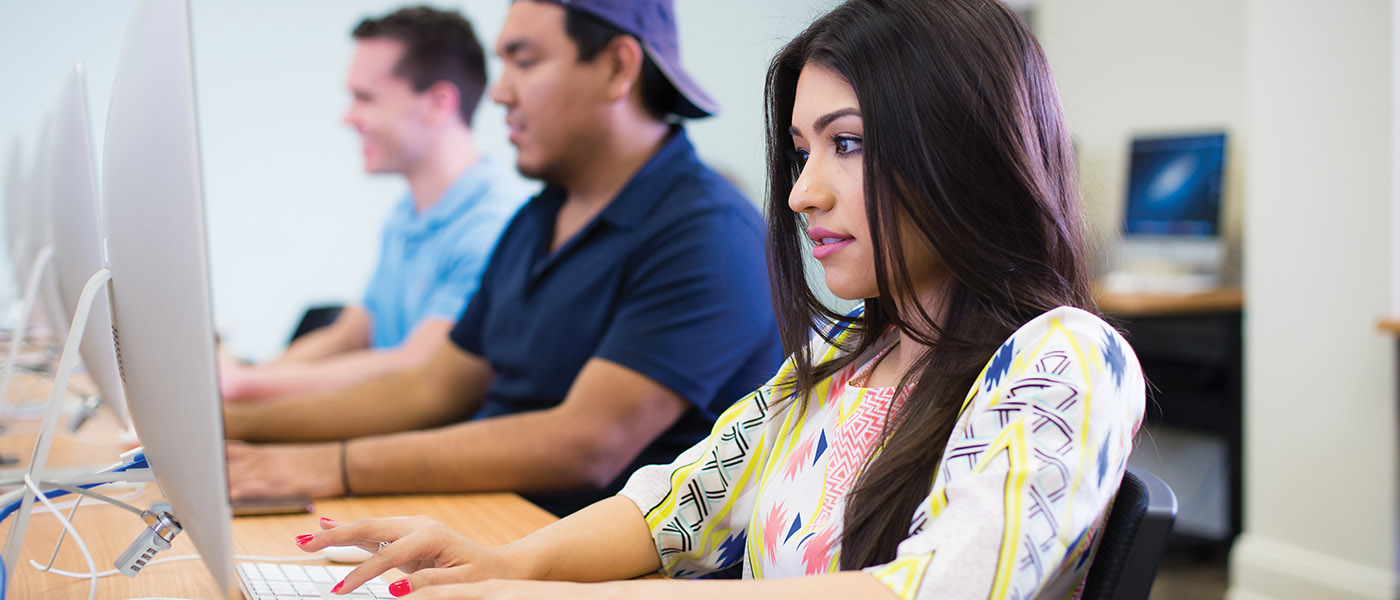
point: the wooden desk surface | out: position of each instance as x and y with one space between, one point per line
107 530
1153 305
1390 325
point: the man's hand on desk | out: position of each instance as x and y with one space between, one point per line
233 377
283 470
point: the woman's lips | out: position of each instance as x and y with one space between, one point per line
828 242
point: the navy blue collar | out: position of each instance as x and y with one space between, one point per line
637 199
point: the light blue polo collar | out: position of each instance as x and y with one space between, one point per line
466 190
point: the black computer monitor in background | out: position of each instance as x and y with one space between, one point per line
1175 185
1172 239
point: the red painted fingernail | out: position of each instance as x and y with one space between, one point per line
399 588
337 586
327 521
303 539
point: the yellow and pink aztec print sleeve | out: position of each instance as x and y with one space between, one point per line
699 507
1033 462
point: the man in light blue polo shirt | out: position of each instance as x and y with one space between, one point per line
415 80
430 261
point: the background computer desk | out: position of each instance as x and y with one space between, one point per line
107 530
1190 347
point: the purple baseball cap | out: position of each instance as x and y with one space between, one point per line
653 23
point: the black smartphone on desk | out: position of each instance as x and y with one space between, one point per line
282 505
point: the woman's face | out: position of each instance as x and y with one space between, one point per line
827 134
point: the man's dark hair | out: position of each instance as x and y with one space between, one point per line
591 34
439 45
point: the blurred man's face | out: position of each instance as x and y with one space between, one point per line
554 103
392 120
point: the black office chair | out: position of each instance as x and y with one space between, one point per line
1134 539
315 318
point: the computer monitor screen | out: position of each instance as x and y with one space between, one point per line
77 253
154 210
1174 185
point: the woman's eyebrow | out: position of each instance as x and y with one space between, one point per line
825 120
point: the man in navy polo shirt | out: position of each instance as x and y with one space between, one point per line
625 307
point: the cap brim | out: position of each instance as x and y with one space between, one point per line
694 102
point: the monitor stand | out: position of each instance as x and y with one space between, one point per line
37 469
1166 265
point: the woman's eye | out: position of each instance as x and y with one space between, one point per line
799 158
847 145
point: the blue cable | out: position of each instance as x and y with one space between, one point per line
137 462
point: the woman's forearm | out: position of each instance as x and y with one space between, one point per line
608 540
843 585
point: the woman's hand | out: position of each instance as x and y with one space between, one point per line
431 552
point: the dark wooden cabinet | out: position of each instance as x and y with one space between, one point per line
1191 351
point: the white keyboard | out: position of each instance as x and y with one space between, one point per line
276 581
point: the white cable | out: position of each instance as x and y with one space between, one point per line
111 572
138 490
29 425
67 525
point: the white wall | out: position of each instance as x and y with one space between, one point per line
1128 67
1308 91
1321 444
292 218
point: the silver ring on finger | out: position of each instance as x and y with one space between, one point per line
382 545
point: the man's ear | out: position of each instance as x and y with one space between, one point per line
444 100
624 56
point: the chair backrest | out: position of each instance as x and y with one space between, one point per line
315 318
1134 538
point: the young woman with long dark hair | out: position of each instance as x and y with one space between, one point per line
961 435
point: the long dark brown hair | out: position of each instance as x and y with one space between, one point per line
965 149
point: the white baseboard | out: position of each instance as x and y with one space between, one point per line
1266 569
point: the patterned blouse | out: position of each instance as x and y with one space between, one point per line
1014 510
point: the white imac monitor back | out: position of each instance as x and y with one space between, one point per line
77 253
40 229
154 208
14 218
